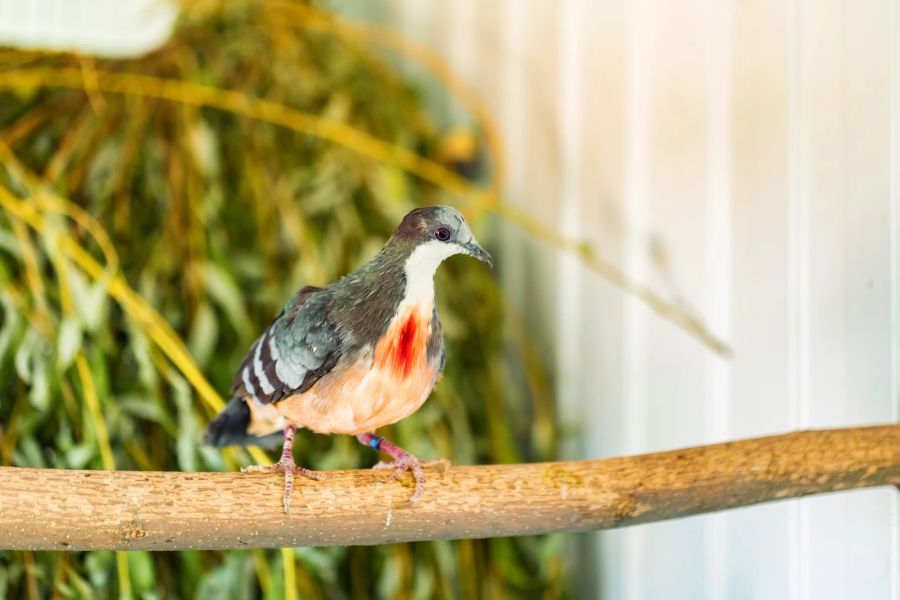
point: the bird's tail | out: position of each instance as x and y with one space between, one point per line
230 428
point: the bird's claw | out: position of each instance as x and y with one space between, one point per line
290 468
285 466
411 464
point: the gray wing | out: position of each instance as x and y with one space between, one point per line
299 347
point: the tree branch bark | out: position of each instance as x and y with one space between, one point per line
47 509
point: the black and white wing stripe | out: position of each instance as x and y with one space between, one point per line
298 348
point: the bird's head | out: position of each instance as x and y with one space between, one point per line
433 233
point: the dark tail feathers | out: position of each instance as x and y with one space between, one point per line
229 428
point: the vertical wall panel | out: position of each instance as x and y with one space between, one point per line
718 237
894 20
668 222
740 157
846 63
758 556
602 160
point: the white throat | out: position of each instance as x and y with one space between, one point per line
421 266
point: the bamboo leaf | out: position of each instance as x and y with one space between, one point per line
140 350
69 342
23 358
188 432
100 567
204 147
39 393
80 455
91 300
29 454
11 323
204 334
223 289
143 574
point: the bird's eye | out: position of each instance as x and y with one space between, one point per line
442 234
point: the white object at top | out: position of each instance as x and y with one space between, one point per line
109 28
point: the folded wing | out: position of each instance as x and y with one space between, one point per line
300 346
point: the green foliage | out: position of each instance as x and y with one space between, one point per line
216 219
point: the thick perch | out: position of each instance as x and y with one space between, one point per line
43 509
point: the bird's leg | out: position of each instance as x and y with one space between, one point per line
403 461
287 465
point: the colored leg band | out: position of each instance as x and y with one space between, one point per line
375 441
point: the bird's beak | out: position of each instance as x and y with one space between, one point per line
476 251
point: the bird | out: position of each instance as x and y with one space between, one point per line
352 357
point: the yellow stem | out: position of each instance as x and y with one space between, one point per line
62 274
106 455
93 404
59 575
29 573
262 570
290 574
95 97
124 576
32 271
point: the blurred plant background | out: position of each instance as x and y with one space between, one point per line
156 212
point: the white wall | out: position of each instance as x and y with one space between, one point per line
738 156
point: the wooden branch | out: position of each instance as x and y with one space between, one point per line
44 509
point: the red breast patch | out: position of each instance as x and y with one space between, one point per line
405 343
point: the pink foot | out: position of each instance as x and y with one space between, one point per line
287 465
403 462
